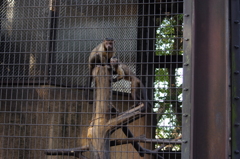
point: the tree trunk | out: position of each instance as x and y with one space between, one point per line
97 133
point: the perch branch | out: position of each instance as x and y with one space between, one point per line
101 127
97 135
76 152
124 118
129 134
135 144
144 140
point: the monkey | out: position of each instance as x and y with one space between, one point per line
138 91
100 55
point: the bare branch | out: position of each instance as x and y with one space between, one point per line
146 140
77 152
124 118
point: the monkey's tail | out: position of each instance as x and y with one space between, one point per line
88 89
144 97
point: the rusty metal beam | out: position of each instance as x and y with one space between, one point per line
211 80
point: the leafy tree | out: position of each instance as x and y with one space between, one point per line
168 81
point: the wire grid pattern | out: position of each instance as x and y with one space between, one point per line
82 26
24 37
45 45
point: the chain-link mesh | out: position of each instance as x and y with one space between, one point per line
44 51
24 39
79 24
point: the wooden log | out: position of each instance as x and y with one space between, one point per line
97 133
101 125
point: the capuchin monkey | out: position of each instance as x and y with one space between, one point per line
138 91
100 55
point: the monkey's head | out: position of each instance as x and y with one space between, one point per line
108 44
114 61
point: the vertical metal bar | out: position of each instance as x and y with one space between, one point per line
187 80
54 6
211 77
235 44
145 54
1 17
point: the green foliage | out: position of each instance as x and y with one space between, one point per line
161 83
169 36
168 42
167 104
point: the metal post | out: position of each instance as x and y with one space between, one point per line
211 79
187 79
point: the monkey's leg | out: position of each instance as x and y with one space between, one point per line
94 60
135 94
144 98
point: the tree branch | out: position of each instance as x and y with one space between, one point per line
77 152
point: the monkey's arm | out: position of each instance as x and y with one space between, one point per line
120 72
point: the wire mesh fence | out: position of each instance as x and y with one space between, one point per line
44 62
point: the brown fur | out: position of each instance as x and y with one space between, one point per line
100 55
138 91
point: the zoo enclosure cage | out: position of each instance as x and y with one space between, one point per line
44 53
